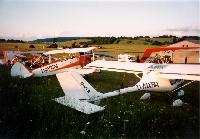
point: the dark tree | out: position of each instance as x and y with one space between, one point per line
31 46
156 43
73 44
54 45
55 40
2 40
16 46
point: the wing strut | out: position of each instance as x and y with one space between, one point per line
183 86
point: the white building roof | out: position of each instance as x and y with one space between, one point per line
186 43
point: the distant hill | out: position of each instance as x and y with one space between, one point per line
60 39
160 40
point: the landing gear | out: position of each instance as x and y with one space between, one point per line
178 103
145 96
181 93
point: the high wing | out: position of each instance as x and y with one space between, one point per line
82 71
76 50
54 52
69 51
78 93
169 71
129 67
181 71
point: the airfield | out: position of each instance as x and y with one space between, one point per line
28 111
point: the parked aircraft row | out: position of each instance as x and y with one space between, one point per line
79 94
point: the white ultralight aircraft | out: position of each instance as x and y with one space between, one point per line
51 67
156 77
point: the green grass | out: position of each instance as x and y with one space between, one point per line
24 46
116 49
69 43
136 47
163 39
28 111
38 46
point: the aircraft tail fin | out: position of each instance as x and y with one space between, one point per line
78 93
20 70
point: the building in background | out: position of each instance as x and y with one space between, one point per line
186 43
187 51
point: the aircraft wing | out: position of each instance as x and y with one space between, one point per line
181 71
169 71
82 71
77 50
69 51
54 52
78 93
129 67
102 55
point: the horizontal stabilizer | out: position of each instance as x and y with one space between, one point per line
77 93
79 105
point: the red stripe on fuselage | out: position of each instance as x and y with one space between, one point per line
67 66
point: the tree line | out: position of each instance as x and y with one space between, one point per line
111 40
11 41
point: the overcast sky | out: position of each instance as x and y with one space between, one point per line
31 19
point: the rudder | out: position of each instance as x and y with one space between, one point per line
73 84
19 70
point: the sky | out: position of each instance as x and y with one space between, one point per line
33 19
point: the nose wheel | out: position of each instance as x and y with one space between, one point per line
145 96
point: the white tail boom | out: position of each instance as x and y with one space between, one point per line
79 93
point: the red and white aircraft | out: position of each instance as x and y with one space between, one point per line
79 93
156 77
51 67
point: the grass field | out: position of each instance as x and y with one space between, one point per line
28 111
136 47
116 49
38 46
